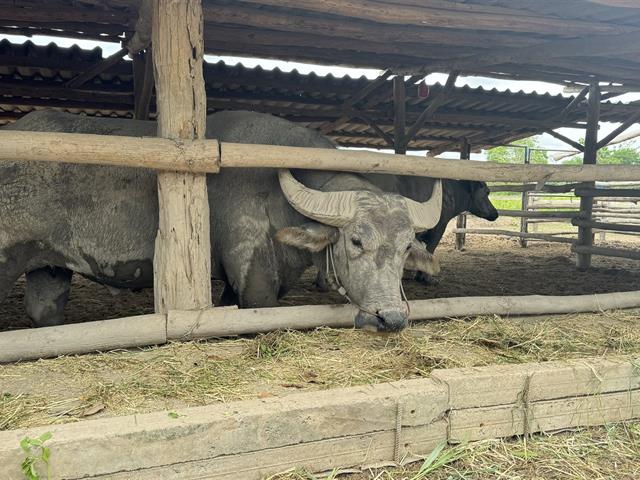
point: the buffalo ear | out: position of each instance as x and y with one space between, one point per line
422 260
314 237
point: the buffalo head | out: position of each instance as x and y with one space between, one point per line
480 205
368 238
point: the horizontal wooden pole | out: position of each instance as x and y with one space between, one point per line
550 205
104 335
605 226
207 156
632 201
508 233
629 234
236 155
196 156
528 214
530 187
618 211
608 192
217 322
616 219
607 252
78 338
550 220
622 217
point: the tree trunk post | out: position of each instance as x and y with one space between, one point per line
400 115
143 83
524 222
182 263
461 221
585 234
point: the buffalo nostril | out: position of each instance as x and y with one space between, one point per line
393 321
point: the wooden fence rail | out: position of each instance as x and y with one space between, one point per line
207 156
217 322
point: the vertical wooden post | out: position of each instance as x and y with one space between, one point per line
182 263
400 115
524 224
461 221
142 83
585 234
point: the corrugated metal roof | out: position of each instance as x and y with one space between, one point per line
568 40
33 77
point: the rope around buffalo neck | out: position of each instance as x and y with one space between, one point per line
337 285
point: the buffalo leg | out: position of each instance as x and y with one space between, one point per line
255 284
431 239
9 274
46 295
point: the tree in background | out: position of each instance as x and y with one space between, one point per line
516 155
617 155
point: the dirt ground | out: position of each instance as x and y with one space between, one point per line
180 375
198 373
489 266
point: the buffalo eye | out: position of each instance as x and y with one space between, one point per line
409 247
356 242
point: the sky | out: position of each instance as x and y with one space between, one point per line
545 140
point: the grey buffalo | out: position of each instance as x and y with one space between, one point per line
267 226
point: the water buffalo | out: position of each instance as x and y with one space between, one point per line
267 226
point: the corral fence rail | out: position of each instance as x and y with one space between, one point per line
616 209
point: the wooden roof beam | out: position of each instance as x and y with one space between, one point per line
382 134
288 21
573 104
612 136
566 140
585 46
96 70
617 3
140 40
370 88
445 15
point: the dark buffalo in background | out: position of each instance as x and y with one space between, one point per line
459 196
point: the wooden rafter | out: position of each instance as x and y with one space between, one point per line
584 46
385 136
93 72
617 3
574 103
492 19
612 136
399 115
370 88
566 140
